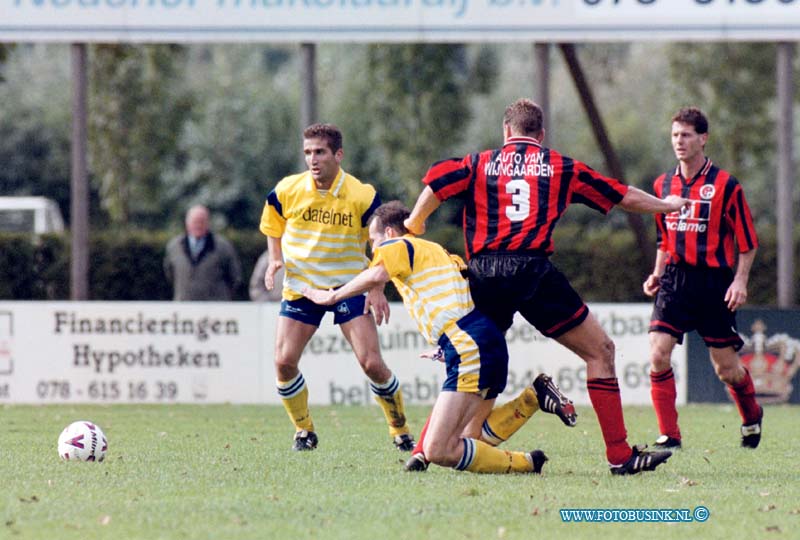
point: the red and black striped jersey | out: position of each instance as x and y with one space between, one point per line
717 222
515 195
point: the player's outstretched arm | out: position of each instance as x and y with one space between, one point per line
426 203
363 282
636 200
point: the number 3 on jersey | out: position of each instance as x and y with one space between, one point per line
520 207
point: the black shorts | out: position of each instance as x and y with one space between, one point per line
503 284
693 298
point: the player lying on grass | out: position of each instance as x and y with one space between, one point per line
475 353
504 420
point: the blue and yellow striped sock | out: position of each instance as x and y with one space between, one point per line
294 395
479 457
505 420
390 398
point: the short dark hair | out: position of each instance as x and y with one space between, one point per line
524 117
692 116
392 214
329 132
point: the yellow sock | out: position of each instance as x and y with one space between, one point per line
480 457
389 396
506 419
294 395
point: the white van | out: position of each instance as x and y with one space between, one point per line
30 214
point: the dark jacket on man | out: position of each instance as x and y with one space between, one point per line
213 275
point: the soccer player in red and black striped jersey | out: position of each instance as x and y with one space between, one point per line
694 281
514 196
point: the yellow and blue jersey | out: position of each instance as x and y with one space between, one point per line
429 280
323 233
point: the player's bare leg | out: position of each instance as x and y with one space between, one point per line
444 445
291 338
731 371
506 419
474 425
362 334
589 341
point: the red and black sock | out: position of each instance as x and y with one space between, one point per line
744 395
664 393
604 394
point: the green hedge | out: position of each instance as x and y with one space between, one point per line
127 266
122 266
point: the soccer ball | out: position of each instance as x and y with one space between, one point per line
82 441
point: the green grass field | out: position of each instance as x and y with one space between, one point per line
226 472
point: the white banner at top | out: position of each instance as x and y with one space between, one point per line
177 21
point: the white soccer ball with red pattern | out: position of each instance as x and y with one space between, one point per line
82 441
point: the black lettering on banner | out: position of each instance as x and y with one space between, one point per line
633 375
418 390
336 343
166 390
53 389
109 361
573 379
105 390
137 390
524 333
314 345
202 329
394 339
328 344
619 326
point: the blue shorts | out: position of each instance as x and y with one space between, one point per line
475 356
306 311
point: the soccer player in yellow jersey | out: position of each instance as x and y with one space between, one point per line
316 226
475 353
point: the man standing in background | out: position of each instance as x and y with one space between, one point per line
200 265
